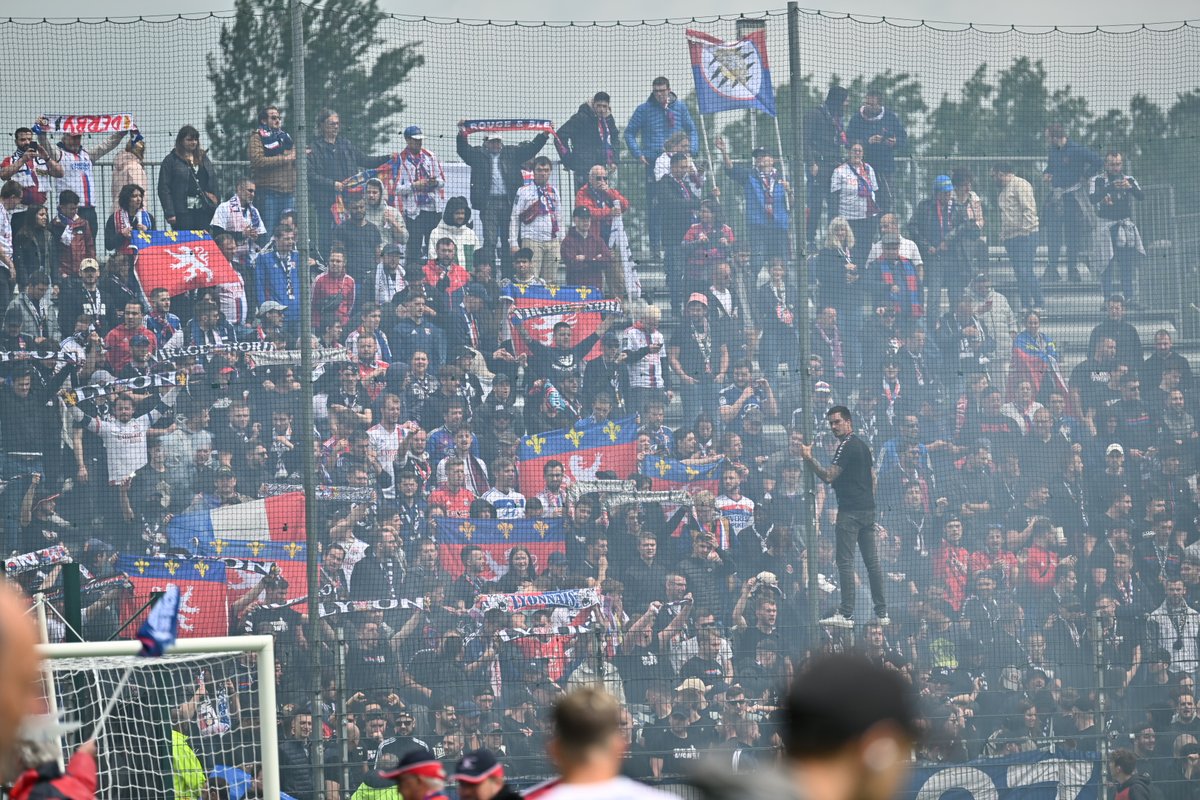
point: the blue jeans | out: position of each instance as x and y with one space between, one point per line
271 205
1021 251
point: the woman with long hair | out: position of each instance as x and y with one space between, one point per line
187 183
522 567
129 217
33 245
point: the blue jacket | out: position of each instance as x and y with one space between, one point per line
755 193
408 337
271 276
650 123
880 156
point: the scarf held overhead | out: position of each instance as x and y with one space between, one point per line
75 396
529 312
87 123
577 599
502 125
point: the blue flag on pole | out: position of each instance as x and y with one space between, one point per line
161 627
731 75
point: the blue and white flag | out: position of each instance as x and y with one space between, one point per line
1034 775
159 631
731 75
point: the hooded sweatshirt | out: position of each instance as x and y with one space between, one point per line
463 235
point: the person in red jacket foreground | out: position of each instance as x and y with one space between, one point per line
19 672
47 782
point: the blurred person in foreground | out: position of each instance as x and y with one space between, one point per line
419 775
19 698
848 730
587 748
481 777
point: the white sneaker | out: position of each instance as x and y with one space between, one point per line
883 619
838 620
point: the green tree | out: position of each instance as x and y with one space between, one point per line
349 67
1007 117
963 126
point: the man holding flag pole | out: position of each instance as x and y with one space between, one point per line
735 76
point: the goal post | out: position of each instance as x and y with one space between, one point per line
220 689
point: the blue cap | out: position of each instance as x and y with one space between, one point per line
413 132
942 183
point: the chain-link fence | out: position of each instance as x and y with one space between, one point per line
584 295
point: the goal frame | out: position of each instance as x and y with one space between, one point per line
262 646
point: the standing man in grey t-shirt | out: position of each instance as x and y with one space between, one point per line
851 478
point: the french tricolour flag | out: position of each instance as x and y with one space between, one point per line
275 519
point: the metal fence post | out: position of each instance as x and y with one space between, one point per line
305 418
799 173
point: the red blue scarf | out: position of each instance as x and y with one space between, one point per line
540 125
902 273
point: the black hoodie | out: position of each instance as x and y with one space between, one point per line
1136 788
825 130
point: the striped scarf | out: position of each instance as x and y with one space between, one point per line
903 273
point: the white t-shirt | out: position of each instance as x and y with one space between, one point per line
385 444
125 443
508 505
908 249
6 234
740 512
619 788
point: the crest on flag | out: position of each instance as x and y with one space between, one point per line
731 75
180 260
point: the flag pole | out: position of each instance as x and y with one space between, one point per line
707 152
782 162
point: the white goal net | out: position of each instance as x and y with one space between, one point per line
202 715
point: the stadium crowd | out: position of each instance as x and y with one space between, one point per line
1016 502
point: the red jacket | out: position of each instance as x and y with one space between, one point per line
1039 567
603 208
47 783
950 569
332 299
117 343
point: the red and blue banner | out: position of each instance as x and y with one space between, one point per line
563 304
668 473
179 261
731 76
203 591
540 537
583 450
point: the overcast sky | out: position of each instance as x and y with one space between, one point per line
1020 12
